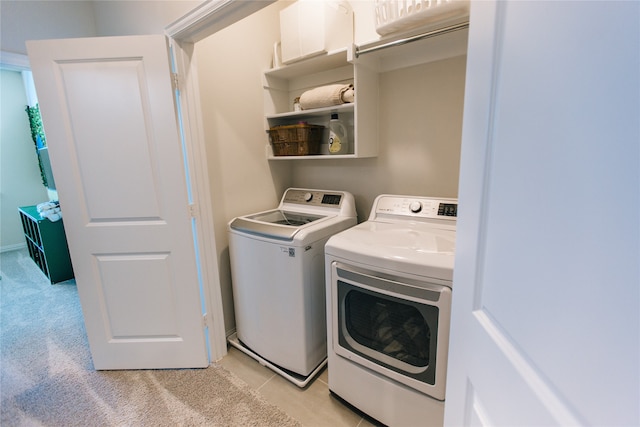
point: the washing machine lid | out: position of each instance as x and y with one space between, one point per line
281 217
277 224
415 248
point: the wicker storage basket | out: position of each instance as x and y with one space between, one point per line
300 139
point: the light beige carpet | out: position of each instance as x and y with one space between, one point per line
47 378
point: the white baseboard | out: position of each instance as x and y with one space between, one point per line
15 247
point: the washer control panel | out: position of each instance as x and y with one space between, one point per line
312 198
415 207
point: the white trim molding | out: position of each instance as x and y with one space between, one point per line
210 17
206 19
14 61
14 247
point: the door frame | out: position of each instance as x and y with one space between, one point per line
201 22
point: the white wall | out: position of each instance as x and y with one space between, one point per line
36 20
116 18
420 129
230 64
20 180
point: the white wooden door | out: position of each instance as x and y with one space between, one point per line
545 321
109 114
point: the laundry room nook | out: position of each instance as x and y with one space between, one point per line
417 127
401 105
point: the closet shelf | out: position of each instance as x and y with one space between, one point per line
316 112
323 62
283 84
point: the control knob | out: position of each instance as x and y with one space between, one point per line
415 207
308 197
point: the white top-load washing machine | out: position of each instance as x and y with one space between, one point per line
277 267
389 282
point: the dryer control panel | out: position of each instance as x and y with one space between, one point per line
408 207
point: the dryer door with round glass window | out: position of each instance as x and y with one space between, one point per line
393 326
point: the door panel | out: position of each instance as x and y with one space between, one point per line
545 317
109 113
142 277
129 146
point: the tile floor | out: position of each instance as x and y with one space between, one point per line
313 406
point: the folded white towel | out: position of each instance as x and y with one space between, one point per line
55 217
50 210
326 96
43 207
52 215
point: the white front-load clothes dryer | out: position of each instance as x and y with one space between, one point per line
389 282
277 267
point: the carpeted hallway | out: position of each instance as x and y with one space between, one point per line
47 377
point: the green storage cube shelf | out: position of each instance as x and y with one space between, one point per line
47 244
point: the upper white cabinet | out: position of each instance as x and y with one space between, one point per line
309 27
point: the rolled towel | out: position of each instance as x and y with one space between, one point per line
326 96
349 95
